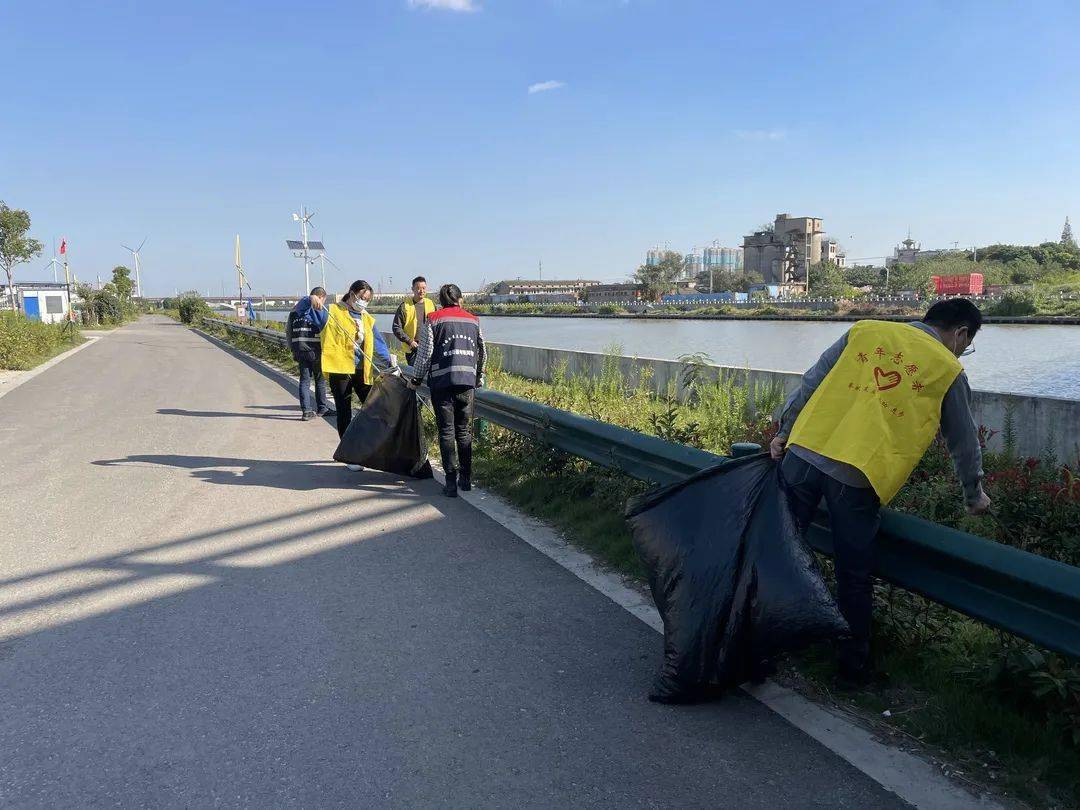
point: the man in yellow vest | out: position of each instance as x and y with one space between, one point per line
411 316
856 428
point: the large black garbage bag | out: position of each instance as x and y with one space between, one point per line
385 434
732 578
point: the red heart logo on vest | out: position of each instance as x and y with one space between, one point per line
886 379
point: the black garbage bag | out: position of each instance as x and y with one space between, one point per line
386 434
733 580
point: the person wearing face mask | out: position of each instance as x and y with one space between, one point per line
857 426
353 351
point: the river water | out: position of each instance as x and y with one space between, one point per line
1037 360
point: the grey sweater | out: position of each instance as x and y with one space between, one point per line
957 425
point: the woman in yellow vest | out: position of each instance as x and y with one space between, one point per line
352 349
411 316
856 427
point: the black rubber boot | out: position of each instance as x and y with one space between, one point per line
854 669
450 487
465 473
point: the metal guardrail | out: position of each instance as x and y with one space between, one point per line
1025 594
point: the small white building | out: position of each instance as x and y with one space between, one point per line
44 301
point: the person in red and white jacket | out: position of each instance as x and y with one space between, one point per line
450 358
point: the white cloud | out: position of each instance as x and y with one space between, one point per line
446 5
761 134
541 87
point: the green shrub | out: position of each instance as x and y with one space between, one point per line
25 343
1013 304
192 308
103 307
610 309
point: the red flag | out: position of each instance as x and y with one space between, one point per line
63 246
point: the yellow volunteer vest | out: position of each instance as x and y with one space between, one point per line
879 407
409 327
339 343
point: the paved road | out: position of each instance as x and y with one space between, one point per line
196 608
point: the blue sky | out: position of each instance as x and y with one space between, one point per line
410 129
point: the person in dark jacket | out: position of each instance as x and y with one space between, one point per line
451 358
411 316
302 329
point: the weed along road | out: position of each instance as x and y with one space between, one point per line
197 607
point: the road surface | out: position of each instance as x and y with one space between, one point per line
197 608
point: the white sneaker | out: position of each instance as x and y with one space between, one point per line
354 467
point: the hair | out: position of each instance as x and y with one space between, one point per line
449 295
357 288
418 279
953 313
319 291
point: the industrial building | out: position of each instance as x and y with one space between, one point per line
614 293
714 257
784 253
520 287
727 259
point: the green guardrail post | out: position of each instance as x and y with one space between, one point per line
743 449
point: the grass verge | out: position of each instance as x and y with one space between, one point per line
25 344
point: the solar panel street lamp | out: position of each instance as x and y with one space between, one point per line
302 246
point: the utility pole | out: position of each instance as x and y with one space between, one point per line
303 237
67 287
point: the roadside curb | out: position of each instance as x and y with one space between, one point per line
900 772
26 376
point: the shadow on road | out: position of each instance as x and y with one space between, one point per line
253 472
219 414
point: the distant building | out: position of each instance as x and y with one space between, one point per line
653 257
614 293
534 298
784 254
910 252
692 265
832 252
519 287
729 259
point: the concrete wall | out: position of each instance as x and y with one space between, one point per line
1039 421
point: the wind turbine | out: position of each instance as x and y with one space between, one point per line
138 277
53 262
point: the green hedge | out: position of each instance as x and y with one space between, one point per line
25 343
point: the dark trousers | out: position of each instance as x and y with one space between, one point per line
453 415
309 370
342 387
409 357
854 514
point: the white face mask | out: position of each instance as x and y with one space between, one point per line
358 304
